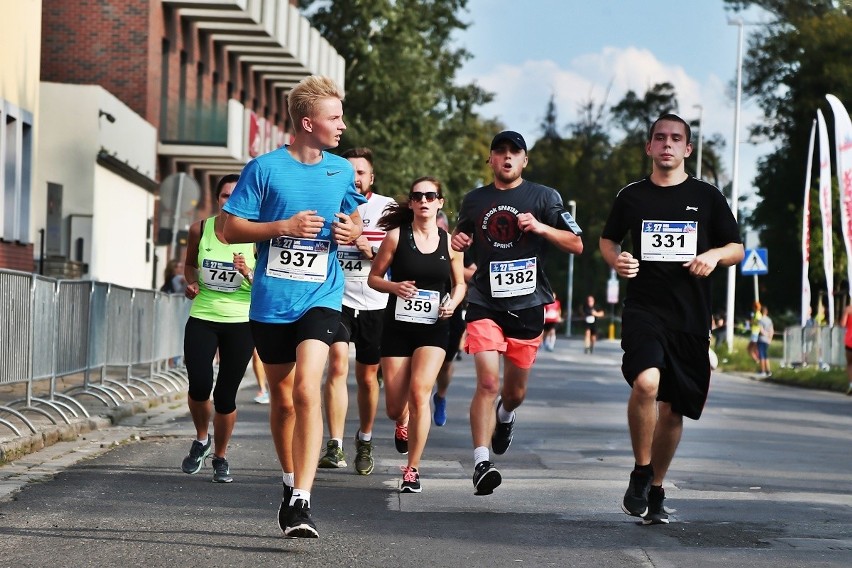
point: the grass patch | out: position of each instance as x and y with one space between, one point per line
739 361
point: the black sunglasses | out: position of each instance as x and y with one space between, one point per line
418 196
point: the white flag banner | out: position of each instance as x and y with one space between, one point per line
825 212
843 143
806 230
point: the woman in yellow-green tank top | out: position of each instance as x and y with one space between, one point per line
219 278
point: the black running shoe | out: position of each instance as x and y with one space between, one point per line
299 522
502 436
364 462
284 507
486 478
198 452
636 498
410 480
657 514
221 471
400 438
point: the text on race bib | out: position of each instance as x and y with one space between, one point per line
512 278
669 241
298 259
422 308
354 265
220 276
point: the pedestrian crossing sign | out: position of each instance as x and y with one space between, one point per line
755 262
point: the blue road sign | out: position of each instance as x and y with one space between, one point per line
755 262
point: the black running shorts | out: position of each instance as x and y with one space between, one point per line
276 342
682 359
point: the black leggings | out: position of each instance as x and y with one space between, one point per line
235 345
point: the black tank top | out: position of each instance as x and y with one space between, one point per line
429 271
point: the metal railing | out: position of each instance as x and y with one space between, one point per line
63 341
819 346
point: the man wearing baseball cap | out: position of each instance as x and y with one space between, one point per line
506 225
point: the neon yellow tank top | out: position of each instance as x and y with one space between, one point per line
223 294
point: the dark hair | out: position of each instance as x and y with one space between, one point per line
365 153
230 178
399 214
671 117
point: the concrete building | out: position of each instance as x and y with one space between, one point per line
20 45
135 91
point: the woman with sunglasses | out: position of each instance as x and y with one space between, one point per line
414 338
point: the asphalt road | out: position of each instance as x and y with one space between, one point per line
764 479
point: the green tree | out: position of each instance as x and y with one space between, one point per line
402 99
791 64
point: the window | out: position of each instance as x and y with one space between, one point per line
15 171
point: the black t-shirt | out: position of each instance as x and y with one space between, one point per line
490 215
667 289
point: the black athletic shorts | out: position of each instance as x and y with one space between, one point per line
276 342
682 359
364 329
456 331
527 323
401 340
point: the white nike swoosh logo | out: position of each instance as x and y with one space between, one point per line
690 208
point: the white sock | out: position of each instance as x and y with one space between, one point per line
300 494
365 436
204 441
480 455
339 442
503 416
289 479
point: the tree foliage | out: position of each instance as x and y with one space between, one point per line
791 64
402 99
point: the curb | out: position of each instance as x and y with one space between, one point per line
15 448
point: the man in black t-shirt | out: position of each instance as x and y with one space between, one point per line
682 229
506 224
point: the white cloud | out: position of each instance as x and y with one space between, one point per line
522 92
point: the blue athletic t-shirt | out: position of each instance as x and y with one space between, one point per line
276 186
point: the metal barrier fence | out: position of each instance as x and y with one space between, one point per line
820 346
92 339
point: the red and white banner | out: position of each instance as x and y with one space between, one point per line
843 142
825 212
806 231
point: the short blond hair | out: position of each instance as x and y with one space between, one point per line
302 100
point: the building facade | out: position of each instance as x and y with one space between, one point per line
141 91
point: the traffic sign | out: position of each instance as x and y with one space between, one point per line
755 262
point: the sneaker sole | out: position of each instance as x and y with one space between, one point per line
226 480
632 513
331 465
301 531
410 490
655 521
366 471
488 483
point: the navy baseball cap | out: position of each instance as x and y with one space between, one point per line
512 137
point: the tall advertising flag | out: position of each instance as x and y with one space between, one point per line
843 142
825 211
806 230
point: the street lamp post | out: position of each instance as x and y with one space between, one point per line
569 309
735 185
700 140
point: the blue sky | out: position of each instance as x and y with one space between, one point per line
524 51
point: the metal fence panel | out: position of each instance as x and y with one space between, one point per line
119 322
43 348
821 346
143 327
98 328
73 298
15 289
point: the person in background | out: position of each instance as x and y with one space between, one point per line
552 318
765 333
219 278
360 323
591 313
847 343
298 203
454 343
426 287
174 281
